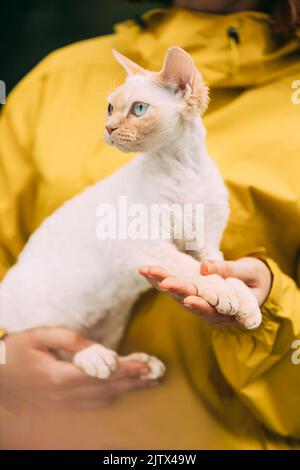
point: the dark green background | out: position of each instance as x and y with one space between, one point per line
29 29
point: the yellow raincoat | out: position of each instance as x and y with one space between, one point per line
225 388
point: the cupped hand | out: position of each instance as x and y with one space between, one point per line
34 374
252 271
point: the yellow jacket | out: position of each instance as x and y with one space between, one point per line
224 388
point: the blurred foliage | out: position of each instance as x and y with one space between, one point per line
30 29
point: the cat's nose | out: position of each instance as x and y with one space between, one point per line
110 129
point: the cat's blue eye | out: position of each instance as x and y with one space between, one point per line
139 109
110 108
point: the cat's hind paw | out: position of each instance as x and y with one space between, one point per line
156 367
96 361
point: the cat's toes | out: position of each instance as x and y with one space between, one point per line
217 293
156 367
249 314
96 361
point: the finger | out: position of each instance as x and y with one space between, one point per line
178 286
60 339
120 387
66 374
130 369
156 273
199 304
241 269
153 282
206 312
111 388
151 279
221 268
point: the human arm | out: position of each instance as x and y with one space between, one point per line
34 374
258 364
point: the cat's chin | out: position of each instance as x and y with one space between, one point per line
128 148
124 148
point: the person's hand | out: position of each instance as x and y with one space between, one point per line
34 373
252 271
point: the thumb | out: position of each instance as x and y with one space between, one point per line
239 269
60 338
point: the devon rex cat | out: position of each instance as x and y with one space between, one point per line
67 276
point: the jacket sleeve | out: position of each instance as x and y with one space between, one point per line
18 120
261 366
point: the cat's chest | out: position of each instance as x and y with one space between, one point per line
188 191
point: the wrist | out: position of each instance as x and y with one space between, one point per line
266 280
273 298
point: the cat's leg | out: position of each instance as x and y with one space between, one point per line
240 302
96 361
228 296
167 255
99 361
212 288
156 367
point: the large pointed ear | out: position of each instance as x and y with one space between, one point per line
180 72
178 68
130 67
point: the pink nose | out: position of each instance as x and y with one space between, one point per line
110 129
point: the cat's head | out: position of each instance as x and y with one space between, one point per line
148 111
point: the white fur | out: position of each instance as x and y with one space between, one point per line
65 276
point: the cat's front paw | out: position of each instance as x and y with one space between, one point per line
249 314
96 361
230 297
217 293
156 367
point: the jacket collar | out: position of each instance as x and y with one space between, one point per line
230 50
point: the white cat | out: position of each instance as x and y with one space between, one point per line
66 276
